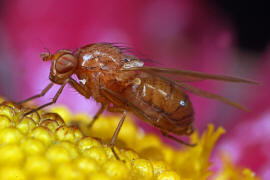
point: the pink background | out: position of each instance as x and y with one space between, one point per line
186 34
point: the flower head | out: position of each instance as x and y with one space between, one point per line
44 145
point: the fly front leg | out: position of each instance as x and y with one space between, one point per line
79 88
52 102
43 92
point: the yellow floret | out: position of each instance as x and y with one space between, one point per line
116 169
26 125
43 134
58 154
96 153
87 165
37 166
65 133
5 122
168 175
142 169
32 146
12 173
87 143
7 111
11 154
58 145
159 167
10 136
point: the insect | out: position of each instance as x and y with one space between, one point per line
121 83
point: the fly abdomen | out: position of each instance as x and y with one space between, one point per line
167 106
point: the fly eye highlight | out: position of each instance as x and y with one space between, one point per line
65 63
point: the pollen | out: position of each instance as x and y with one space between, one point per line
58 145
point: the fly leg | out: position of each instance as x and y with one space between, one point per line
117 130
115 97
100 111
176 139
43 92
52 102
80 89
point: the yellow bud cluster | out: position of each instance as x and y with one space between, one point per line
45 146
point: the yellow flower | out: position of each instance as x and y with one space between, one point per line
232 172
57 145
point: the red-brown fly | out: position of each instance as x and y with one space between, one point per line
121 83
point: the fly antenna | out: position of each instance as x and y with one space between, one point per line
46 56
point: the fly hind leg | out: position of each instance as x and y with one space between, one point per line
117 130
176 139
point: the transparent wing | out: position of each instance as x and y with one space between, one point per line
200 92
192 75
209 95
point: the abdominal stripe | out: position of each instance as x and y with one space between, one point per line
168 97
168 115
184 120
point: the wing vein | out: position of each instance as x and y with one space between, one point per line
200 92
193 74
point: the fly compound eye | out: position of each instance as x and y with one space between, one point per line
65 63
